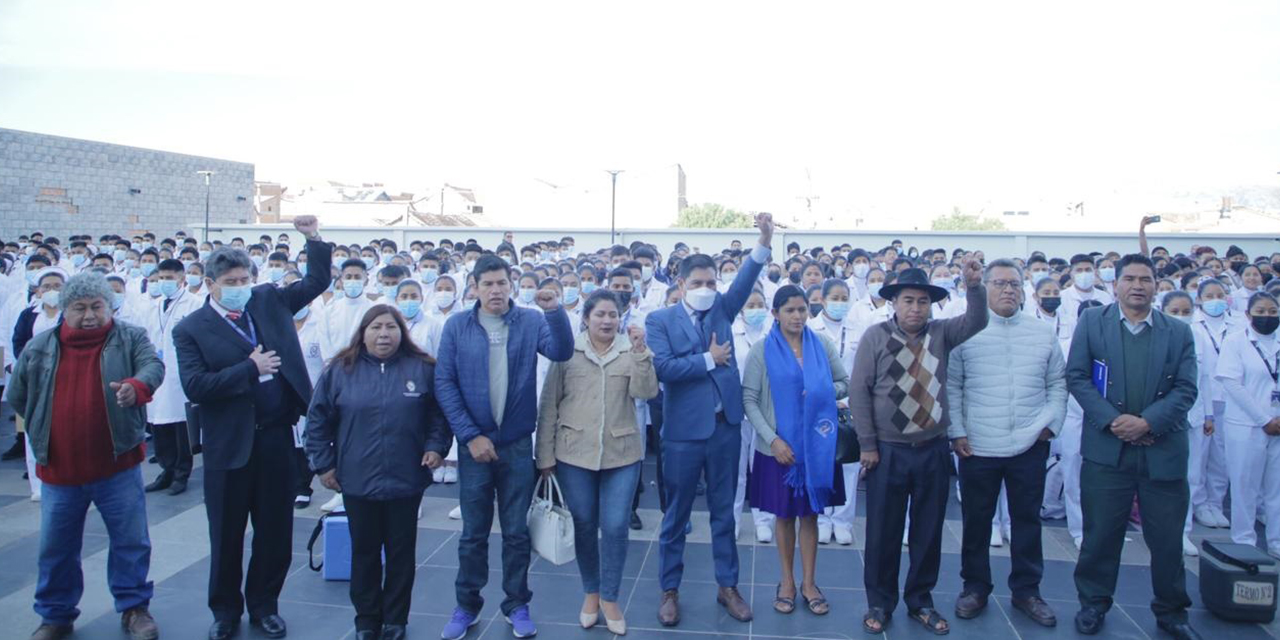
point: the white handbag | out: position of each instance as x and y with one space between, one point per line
551 526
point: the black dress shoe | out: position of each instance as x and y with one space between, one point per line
1037 609
367 634
393 632
223 629
1178 630
17 450
636 524
1089 621
162 482
271 626
969 605
178 487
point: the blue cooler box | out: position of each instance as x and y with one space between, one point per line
337 548
1238 582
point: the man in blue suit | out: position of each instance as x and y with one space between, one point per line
692 345
1133 371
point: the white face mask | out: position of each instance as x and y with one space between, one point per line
646 273
444 298
860 270
700 299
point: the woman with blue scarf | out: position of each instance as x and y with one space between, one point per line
792 380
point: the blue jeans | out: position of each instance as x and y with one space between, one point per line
123 507
600 501
510 479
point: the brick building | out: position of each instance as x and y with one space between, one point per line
63 186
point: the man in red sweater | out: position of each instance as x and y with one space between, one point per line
86 430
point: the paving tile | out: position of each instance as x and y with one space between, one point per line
1208 624
698 608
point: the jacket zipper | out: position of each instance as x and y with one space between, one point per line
604 382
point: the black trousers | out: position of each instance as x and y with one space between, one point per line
980 482
302 479
921 474
260 492
378 526
1106 498
173 449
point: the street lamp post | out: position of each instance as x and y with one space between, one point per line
207 174
613 205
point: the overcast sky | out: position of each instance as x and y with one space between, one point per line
889 107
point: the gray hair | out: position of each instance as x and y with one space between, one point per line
997 263
225 259
85 286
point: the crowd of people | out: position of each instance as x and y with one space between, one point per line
1101 388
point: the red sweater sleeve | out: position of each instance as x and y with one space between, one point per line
144 394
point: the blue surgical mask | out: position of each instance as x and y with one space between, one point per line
873 288
135 272
204 255
302 268
588 287
369 262
352 288
1214 308
118 254
33 277
117 301
837 310
410 308
258 260
570 295
1083 280
1038 276
153 290
947 282
1107 274
302 313
1187 319
168 288
275 274
526 295
235 298
194 280
78 259
430 274
755 317
148 268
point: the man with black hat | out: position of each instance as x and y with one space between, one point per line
897 394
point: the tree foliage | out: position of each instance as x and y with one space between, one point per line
708 215
960 221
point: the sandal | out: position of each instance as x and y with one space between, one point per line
932 620
783 605
878 616
817 606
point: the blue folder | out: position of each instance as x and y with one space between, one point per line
1100 376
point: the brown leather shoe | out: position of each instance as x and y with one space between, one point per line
1036 609
139 624
52 632
669 610
732 602
969 605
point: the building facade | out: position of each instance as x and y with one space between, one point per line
63 186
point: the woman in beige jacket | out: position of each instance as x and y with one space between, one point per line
587 436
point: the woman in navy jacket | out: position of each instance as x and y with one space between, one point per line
375 433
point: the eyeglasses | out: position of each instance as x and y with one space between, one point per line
1005 284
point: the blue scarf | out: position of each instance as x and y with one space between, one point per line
804 407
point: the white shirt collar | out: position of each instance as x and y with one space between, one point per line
1136 327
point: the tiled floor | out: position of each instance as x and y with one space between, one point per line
321 610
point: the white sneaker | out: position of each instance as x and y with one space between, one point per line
996 539
1223 521
450 475
35 497
455 513
437 475
1189 547
1007 532
1078 541
1205 516
764 535
333 504
844 536
905 534
824 532
302 502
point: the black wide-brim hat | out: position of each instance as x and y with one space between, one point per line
913 279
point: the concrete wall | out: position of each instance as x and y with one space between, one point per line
63 186
993 244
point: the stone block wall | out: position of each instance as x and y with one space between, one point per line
65 186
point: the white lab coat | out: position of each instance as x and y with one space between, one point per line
168 403
845 336
743 339
1253 457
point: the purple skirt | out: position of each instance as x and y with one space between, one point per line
767 492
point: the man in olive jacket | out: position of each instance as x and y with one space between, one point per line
1133 371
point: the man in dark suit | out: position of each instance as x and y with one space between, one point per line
1133 371
242 368
692 345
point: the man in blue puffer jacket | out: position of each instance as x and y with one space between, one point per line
486 381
